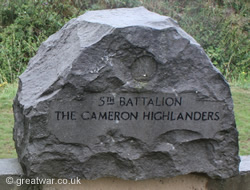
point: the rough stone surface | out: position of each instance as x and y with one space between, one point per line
125 93
10 168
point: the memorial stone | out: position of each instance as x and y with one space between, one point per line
125 93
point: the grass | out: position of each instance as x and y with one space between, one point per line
241 81
241 97
7 94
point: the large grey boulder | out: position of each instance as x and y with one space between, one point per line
125 93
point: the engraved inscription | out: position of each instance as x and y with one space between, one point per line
133 114
125 107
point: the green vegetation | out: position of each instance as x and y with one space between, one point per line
241 99
220 26
24 25
242 81
7 93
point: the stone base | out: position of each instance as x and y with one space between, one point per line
176 183
11 168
